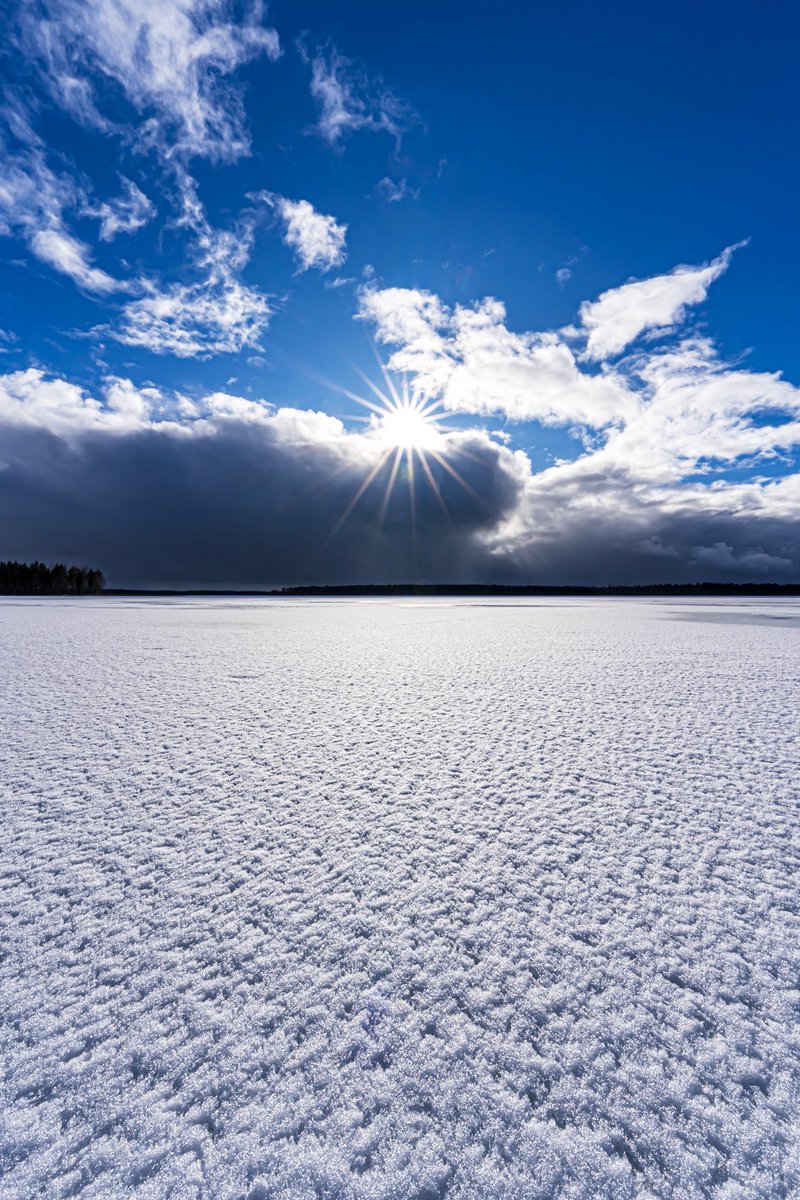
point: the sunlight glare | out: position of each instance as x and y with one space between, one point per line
408 428
409 432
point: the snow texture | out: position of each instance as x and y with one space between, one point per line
398 901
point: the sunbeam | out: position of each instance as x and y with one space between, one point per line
409 429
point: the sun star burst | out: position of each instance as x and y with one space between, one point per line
409 432
410 427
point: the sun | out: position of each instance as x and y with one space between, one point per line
413 446
407 426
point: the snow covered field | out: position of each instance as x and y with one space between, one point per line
399 900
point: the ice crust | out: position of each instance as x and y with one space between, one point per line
399 900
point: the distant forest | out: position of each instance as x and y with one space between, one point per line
37 579
708 588
484 589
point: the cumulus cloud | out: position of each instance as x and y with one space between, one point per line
170 58
660 498
666 409
470 360
670 473
31 399
700 414
316 239
349 100
621 314
675 482
123 214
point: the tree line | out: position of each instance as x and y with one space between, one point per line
37 579
708 588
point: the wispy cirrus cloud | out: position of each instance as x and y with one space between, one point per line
213 313
122 214
33 201
171 59
395 190
349 100
217 315
70 256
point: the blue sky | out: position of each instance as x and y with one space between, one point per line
214 214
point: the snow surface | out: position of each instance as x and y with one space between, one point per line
399 900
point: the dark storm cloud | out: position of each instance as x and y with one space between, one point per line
238 504
652 547
231 492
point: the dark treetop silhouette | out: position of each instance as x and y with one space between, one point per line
37 579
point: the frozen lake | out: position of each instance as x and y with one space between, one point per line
398 900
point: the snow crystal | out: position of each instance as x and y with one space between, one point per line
399 900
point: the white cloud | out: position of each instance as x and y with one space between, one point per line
393 191
656 479
70 256
349 100
316 239
667 412
701 414
659 491
219 315
167 64
123 214
33 399
469 360
214 313
171 58
621 314
32 204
